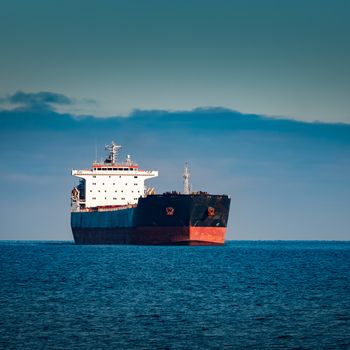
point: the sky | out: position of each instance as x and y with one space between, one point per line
287 179
253 94
285 58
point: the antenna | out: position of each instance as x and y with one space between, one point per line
113 148
186 177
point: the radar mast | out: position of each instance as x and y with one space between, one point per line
113 148
186 177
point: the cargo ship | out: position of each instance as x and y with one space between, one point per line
112 205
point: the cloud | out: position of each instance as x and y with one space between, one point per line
43 100
59 112
39 98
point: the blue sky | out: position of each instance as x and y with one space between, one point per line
288 179
253 94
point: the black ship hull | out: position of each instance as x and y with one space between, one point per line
196 219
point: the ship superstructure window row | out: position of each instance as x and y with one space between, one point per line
107 179
115 169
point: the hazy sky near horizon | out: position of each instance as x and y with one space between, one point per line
287 179
282 58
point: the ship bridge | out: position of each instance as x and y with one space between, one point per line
110 183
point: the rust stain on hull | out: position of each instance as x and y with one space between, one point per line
152 236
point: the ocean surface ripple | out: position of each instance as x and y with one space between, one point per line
244 295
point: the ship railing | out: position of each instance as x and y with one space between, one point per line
80 172
105 208
89 171
114 164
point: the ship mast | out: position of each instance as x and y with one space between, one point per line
186 177
114 150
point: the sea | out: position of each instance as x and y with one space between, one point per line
243 295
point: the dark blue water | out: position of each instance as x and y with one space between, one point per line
245 295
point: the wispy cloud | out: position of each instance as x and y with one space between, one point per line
45 101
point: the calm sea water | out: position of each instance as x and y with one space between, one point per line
245 295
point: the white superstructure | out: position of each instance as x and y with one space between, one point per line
110 183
